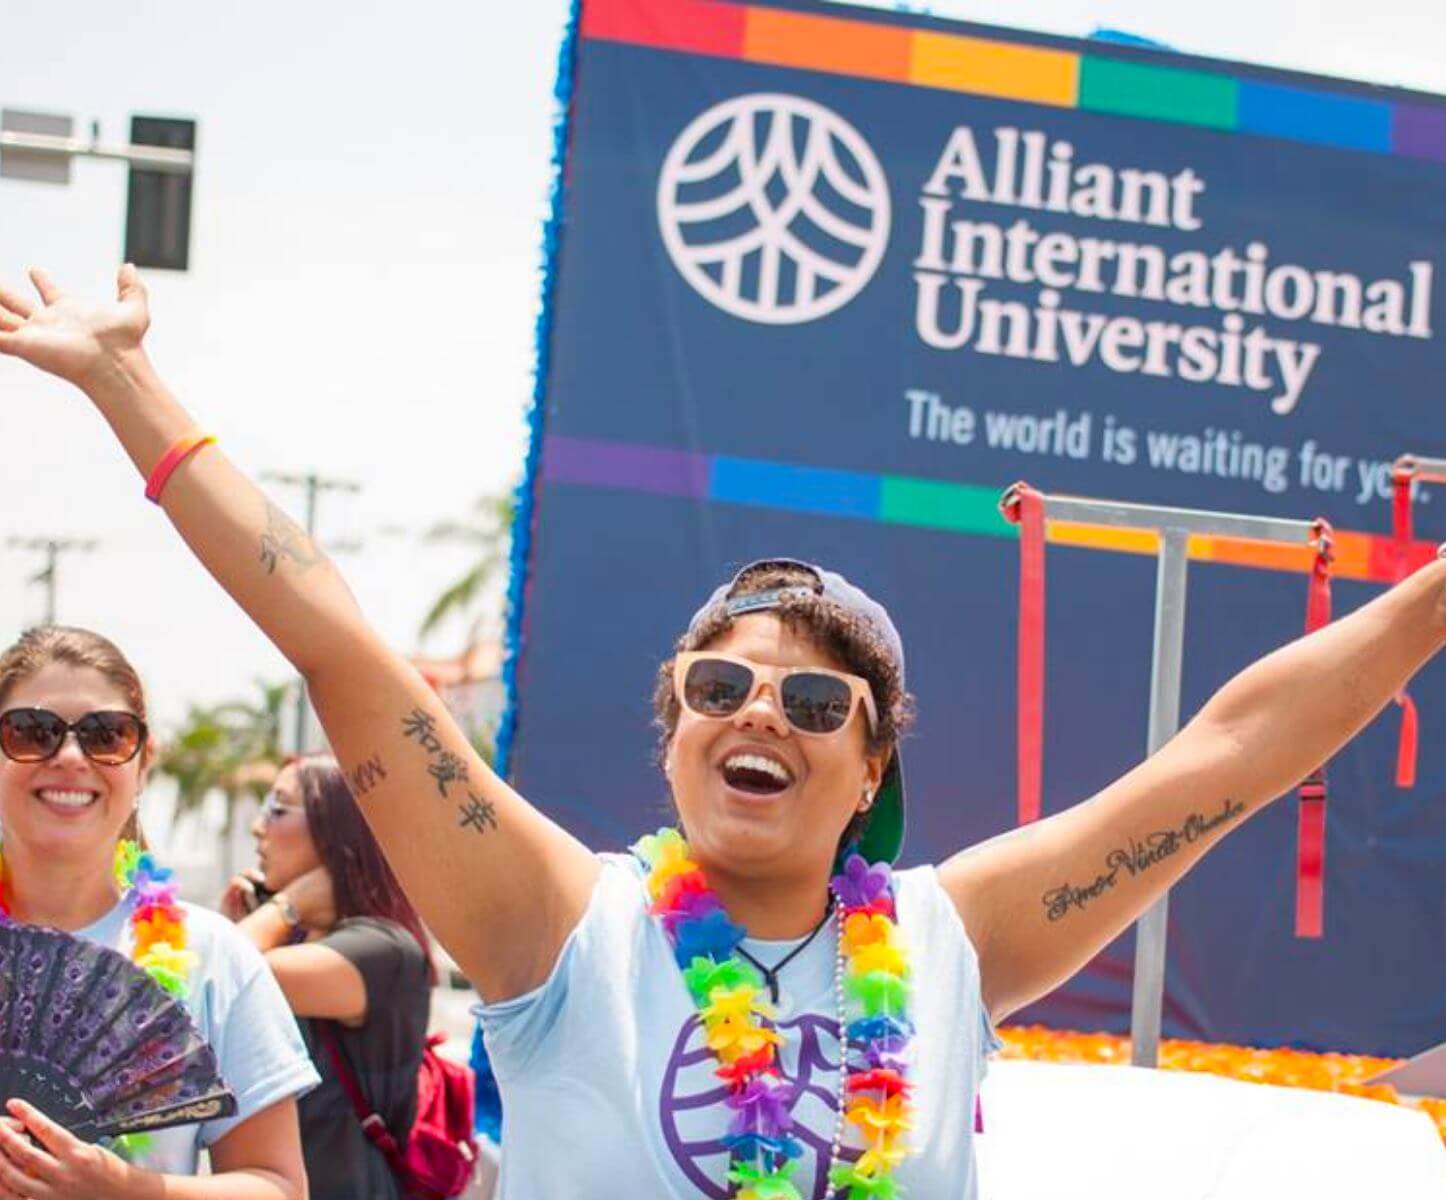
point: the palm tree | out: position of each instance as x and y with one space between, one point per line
233 747
488 528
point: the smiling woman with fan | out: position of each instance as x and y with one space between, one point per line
143 1016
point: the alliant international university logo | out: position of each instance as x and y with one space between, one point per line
773 208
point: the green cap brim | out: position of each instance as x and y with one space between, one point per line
883 837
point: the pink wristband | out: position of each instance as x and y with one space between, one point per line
180 450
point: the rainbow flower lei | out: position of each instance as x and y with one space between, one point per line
158 923
737 1018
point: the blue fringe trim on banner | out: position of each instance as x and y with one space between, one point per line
488 1113
489 1099
525 499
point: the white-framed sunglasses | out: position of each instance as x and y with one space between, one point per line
814 700
274 806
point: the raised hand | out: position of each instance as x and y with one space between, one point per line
240 898
60 334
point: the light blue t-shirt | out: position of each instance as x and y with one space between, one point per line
609 1091
239 1009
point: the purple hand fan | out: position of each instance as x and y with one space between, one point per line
95 1043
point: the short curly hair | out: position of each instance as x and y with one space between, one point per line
845 634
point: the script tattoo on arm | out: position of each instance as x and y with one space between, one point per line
284 538
1135 859
477 813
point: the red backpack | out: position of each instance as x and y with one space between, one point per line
436 1161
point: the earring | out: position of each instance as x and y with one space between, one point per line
868 801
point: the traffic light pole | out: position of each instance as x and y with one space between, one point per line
148 158
161 156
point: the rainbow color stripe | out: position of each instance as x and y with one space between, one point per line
1005 70
964 508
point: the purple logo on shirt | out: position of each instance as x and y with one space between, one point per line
694 1117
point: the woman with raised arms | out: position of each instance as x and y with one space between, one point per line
669 1024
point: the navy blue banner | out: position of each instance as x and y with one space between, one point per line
803 312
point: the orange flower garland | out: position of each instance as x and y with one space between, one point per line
1342 1073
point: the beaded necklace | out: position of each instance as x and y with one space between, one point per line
158 923
871 994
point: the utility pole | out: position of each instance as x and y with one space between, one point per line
313 485
52 548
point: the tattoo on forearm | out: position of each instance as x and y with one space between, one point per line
477 813
445 767
1137 858
284 538
421 727
366 776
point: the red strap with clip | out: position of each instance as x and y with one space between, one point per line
1410 736
1024 506
1318 593
1402 535
1311 816
1310 858
1401 530
373 1126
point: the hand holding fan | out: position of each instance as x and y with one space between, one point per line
95 1043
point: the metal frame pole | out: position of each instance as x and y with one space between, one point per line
1166 669
1421 469
1174 527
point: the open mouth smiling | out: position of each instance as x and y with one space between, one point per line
755 773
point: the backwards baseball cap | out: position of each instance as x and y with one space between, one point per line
883 835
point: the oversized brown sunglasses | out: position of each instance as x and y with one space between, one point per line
31 735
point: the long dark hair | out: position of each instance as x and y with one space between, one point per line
362 883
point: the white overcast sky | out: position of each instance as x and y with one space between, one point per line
365 269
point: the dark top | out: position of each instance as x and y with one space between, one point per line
383 1053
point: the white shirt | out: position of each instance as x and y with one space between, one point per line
608 1090
239 1009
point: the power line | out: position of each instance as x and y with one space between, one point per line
49 575
312 484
